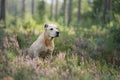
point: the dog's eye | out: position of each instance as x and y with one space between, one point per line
51 29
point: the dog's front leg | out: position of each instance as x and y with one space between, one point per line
35 54
51 56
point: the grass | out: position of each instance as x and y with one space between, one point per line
81 53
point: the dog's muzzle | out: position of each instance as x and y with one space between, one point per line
57 34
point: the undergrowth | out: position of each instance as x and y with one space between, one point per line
81 53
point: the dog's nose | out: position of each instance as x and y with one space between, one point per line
57 34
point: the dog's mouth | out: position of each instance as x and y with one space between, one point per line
57 35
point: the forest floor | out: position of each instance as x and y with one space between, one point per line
78 55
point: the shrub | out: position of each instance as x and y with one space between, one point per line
23 73
115 35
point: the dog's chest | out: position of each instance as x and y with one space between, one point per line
48 49
49 45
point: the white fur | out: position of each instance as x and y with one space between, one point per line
39 46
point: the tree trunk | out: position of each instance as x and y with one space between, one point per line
109 4
51 11
16 7
0 10
69 12
3 19
56 10
79 9
3 12
64 12
23 7
15 2
106 11
33 6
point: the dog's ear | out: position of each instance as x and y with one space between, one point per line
46 25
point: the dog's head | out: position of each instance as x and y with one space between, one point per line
52 30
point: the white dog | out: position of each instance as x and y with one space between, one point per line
44 45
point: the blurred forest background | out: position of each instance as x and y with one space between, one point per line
88 47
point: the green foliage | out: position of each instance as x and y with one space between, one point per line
115 34
21 41
26 42
10 55
29 23
116 6
115 31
